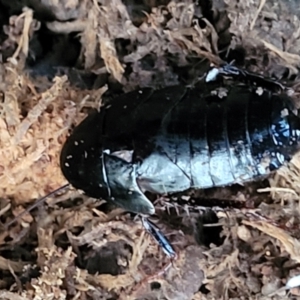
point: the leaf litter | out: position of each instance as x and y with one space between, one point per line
80 248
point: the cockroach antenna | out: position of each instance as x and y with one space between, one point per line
37 203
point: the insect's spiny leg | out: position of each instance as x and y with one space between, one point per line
158 236
166 246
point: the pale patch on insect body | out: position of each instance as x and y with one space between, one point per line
264 163
212 75
261 170
107 151
126 155
225 70
284 113
275 135
259 91
296 133
214 92
280 157
186 198
221 92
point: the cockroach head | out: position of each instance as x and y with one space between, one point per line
99 173
81 158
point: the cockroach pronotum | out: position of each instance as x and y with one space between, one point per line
178 138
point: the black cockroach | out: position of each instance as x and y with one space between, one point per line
178 138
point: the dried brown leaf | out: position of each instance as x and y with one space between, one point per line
291 245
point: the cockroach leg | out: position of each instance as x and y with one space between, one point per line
34 205
158 236
162 241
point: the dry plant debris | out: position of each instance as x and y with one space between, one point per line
80 249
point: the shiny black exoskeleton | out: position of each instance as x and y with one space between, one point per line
179 138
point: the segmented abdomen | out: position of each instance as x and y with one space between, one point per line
179 138
205 139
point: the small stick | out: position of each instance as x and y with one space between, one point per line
34 205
